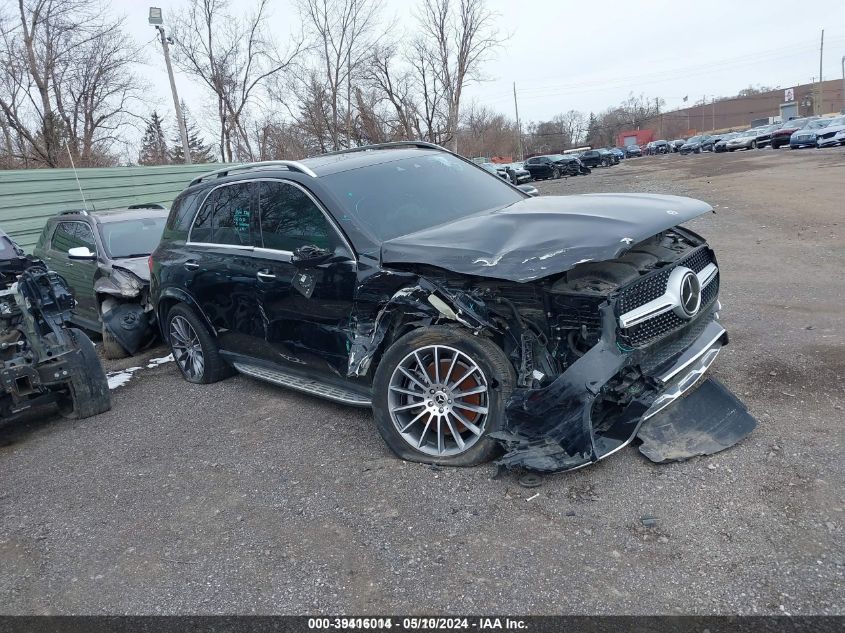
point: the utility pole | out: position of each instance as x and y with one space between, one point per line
519 125
156 21
713 103
818 109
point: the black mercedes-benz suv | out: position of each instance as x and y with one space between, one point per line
470 316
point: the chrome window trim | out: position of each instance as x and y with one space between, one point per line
320 207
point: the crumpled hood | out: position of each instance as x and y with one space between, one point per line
138 266
542 236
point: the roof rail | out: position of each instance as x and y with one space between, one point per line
147 205
390 145
73 212
291 165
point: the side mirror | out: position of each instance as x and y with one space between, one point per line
81 252
310 255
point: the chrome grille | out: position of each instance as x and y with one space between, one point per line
651 287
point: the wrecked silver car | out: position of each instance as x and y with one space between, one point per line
104 255
41 360
475 320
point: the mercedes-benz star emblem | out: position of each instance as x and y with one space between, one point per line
690 293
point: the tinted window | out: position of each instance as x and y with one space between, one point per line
226 217
131 238
70 235
408 194
290 219
182 211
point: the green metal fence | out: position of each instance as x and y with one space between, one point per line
28 197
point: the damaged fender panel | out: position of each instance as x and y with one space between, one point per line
417 305
538 237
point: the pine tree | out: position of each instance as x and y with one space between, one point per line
154 145
200 152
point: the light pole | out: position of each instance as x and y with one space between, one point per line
843 85
156 21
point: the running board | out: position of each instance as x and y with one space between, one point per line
306 385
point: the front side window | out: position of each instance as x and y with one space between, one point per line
70 235
227 217
289 218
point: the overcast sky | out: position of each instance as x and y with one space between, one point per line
588 55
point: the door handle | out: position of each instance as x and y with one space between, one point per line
191 265
264 275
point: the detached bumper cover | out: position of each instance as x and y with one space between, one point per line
707 421
552 430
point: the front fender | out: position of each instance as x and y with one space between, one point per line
166 299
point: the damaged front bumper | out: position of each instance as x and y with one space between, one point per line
563 426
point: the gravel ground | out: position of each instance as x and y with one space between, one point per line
243 498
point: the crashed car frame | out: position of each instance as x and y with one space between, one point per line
42 361
470 316
103 255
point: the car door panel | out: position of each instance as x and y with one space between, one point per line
78 273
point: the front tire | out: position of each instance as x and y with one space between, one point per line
556 174
112 350
194 349
753 144
438 393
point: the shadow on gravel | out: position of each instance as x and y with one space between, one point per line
17 428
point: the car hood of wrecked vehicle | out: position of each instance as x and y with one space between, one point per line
138 266
538 237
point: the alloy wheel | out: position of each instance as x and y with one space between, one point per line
438 399
187 350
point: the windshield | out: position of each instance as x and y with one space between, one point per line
794 123
131 238
840 120
818 123
411 194
694 139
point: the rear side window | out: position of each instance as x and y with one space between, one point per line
289 218
227 217
182 211
70 235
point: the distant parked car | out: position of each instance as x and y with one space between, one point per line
827 136
780 136
594 158
764 136
677 144
517 173
608 157
661 147
103 256
633 151
499 170
806 136
697 144
722 144
543 167
745 140
620 153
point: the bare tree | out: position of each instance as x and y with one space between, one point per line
459 35
66 78
234 58
343 37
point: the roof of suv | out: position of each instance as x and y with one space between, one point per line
115 215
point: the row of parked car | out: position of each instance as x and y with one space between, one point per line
553 166
796 133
